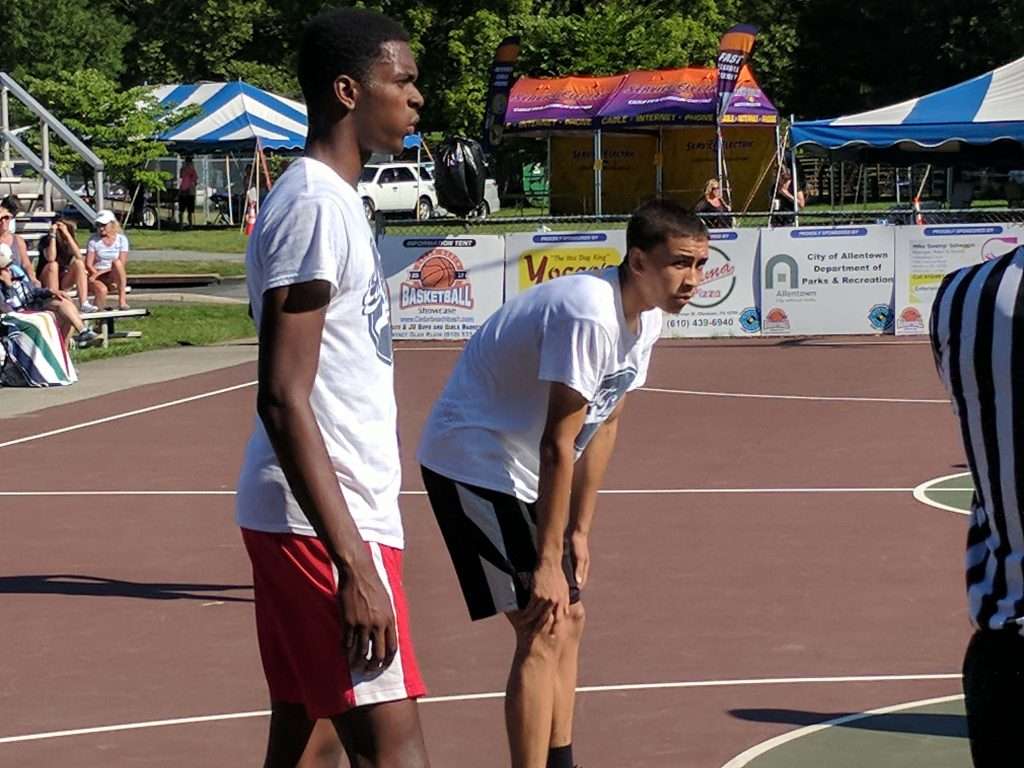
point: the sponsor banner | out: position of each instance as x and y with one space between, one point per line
827 280
442 287
535 258
725 304
929 253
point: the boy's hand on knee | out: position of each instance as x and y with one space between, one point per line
550 597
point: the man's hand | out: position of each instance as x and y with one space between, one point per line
549 599
581 555
370 635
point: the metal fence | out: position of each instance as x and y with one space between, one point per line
497 225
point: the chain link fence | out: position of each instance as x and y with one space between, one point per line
499 225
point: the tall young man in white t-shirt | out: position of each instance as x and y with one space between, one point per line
516 448
318 493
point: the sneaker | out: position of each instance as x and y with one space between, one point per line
88 338
88 307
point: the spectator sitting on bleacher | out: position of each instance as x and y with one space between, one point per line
15 242
11 205
20 295
106 261
60 265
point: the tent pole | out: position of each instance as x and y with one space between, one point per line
266 169
547 170
598 173
794 181
227 175
206 187
659 165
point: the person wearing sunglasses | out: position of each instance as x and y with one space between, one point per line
712 202
16 243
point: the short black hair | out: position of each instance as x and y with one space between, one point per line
342 41
11 204
657 220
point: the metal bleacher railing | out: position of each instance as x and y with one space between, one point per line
10 139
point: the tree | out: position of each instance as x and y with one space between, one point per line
46 38
120 126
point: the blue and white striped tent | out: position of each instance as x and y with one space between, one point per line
980 111
234 115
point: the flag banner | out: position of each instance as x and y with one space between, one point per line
497 92
733 52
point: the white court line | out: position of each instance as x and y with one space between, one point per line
492 695
157 407
605 492
822 398
117 416
921 492
757 750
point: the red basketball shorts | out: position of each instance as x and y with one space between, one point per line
300 631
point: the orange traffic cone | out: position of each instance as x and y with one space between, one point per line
250 218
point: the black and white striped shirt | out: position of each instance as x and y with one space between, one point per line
977 331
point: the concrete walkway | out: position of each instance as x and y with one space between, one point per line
101 377
183 256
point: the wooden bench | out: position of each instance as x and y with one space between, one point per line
106 319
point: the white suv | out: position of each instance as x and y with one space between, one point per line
397 188
409 188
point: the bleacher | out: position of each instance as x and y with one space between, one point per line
32 226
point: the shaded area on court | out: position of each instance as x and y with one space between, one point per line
78 585
921 723
933 735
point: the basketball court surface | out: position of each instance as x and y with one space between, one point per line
777 576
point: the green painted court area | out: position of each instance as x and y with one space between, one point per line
952 493
933 735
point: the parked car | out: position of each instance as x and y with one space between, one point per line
394 188
408 188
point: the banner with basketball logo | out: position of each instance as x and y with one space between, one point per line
926 254
726 301
535 258
442 287
827 280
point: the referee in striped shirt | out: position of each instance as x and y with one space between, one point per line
977 332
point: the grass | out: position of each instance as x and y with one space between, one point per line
176 325
224 268
208 240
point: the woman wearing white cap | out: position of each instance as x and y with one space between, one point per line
106 260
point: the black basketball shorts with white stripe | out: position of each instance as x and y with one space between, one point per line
492 540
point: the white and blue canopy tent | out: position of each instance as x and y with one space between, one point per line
980 119
238 119
235 117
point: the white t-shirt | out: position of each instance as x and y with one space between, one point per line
106 254
312 227
486 427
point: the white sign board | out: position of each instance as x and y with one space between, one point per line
827 280
725 304
535 258
442 287
927 254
